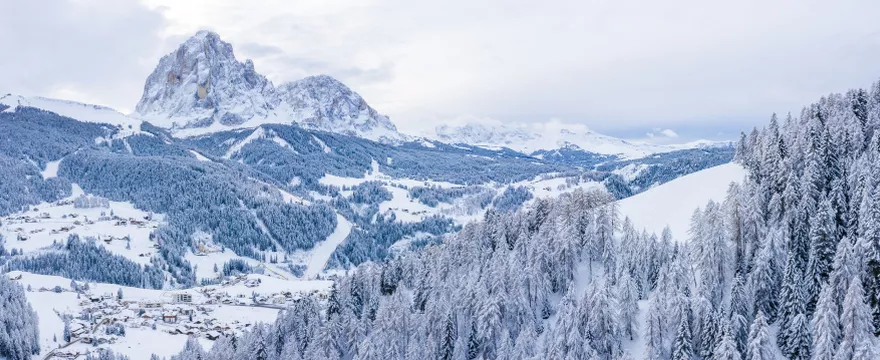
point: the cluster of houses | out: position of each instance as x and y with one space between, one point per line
23 235
176 315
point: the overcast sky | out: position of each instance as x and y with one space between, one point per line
691 68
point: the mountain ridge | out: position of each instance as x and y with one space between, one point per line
202 87
529 140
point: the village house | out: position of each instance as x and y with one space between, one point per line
169 318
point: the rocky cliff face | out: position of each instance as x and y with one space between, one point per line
202 87
202 83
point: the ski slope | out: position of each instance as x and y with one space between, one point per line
674 202
320 254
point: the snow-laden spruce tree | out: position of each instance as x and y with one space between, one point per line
682 345
628 296
726 349
19 330
857 339
760 345
825 325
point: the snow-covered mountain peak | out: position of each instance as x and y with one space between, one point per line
528 139
202 87
202 83
324 103
483 134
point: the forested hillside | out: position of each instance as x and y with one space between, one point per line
263 193
786 267
19 335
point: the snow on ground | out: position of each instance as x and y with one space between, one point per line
72 109
407 209
553 187
674 202
204 264
51 169
43 224
629 172
199 156
259 133
321 252
376 174
142 343
323 145
292 199
636 346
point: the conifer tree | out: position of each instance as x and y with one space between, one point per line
823 241
760 345
825 325
857 336
726 348
682 348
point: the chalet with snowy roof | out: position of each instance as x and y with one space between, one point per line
169 318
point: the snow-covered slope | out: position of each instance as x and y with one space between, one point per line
674 202
72 109
201 87
528 139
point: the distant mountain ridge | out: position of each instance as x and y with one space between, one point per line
201 87
535 141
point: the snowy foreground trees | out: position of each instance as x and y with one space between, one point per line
786 267
19 332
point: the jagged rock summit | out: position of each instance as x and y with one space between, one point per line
201 87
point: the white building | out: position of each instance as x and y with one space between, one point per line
183 298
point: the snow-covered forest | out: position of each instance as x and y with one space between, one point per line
786 267
18 323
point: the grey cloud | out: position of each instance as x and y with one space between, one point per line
96 51
296 68
258 50
616 66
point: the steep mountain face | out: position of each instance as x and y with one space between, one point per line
202 83
323 103
201 87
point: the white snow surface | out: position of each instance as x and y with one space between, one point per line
74 110
320 254
51 169
199 156
46 225
674 202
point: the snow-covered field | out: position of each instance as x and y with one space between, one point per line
674 202
120 227
407 209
